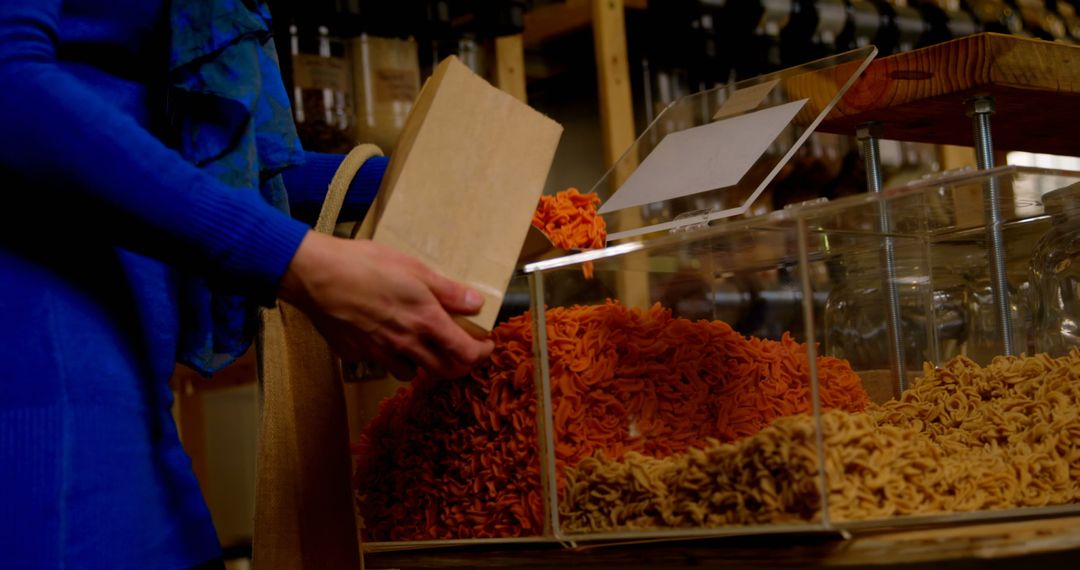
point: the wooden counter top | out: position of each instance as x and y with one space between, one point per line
1042 543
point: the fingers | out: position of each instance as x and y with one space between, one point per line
350 346
439 364
456 344
434 342
399 367
436 364
400 312
455 297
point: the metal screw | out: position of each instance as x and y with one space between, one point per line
868 134
869 130
983 104
979 109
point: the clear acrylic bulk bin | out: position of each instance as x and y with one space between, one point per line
710 155
974 434
637 376
443 463
656 409
464 495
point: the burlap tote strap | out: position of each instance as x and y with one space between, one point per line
303 494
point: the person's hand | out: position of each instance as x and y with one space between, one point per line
373 302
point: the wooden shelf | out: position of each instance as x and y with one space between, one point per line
1050 543
555 20
919 95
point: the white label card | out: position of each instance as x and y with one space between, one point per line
699 159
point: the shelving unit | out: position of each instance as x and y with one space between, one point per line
920 95
991 91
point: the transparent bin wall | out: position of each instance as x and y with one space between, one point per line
679 387
447 462
975 435
709 156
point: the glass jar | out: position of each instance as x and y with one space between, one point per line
386 80
1055 275
1039 21
935 310
985 340
997 16
1068 13
322 89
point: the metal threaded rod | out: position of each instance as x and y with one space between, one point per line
869 134
980 109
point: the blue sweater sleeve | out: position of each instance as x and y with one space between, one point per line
80 151
307 186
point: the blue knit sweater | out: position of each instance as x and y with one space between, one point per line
100 224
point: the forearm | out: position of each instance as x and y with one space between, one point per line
307 186
79 151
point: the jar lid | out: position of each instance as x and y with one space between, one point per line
1062 199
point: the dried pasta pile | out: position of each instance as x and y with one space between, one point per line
458 459
645 381
964 438
570 221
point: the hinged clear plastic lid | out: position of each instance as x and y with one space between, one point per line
709 155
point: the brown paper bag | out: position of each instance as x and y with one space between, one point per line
303 489
463 183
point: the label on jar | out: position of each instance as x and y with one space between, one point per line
316 72
396 85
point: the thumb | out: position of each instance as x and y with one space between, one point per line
453 296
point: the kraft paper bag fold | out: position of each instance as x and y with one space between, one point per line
304 515
463 183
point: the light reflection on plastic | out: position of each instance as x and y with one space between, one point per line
584 256
1028 191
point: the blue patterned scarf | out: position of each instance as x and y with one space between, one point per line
230 116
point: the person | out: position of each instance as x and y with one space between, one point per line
141 224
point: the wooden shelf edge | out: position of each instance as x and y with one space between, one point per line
919 95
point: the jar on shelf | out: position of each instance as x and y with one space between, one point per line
322 89
934 303
985 340
997 16
1055 275
1068 12
1040 21
386 80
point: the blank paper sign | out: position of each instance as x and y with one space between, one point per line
716 155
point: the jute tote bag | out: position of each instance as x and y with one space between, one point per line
304 516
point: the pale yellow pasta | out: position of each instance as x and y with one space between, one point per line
963 438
